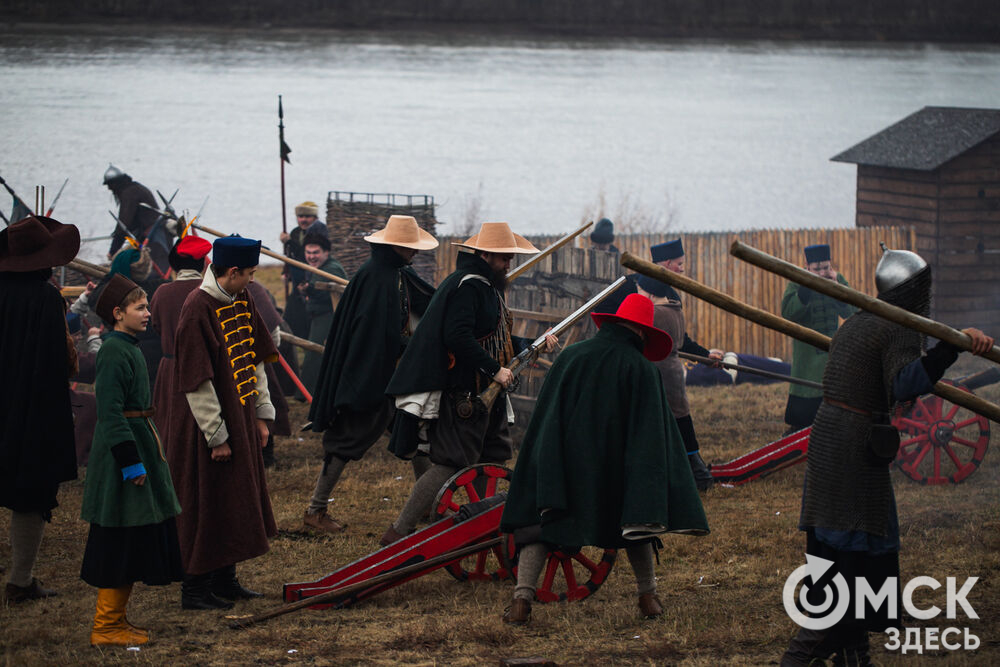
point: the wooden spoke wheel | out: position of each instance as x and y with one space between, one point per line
940 442
471 485
574 576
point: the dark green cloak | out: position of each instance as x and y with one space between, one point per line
602 450
366 337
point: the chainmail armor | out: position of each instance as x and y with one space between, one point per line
847 488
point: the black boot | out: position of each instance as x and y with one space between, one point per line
702 476
226 585
196 593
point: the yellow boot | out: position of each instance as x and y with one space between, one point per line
110 626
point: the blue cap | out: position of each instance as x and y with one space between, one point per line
669 250
235 251
654 286
817 253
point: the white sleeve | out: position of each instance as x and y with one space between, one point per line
265 409
207 413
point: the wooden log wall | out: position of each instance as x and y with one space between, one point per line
955 212
350 216
564 280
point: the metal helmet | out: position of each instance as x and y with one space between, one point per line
896 267
112 174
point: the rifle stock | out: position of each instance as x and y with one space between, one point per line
530 353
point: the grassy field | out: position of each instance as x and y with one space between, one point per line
722 593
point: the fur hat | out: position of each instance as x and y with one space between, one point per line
235 251
669 250
307 208
604 231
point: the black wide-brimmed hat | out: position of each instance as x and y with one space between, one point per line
37 242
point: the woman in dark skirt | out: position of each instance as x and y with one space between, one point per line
129 496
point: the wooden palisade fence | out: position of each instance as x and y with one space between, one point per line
561 282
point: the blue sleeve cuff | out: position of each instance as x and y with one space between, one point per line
911 381
133 471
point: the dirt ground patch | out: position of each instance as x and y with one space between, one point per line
722 592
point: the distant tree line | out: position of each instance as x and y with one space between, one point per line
932 20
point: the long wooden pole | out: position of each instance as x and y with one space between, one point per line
764 318
302 342
92 270
518 270
286 260
834 289
387 577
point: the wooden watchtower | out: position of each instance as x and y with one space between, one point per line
938 170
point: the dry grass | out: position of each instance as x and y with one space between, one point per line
722 592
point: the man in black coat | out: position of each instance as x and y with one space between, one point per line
462 345
37 449
371 326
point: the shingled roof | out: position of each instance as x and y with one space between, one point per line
925 140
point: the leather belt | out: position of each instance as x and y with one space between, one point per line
131 414
849 408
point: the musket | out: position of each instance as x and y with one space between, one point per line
286 260
797 331
516 271
835 290
52 206
746 369
530 353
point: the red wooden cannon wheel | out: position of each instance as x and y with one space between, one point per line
574 576
470 485
940 442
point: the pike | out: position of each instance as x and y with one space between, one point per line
746 369
515 272
286 260
797 331
133 241
835 290
52 206
530 353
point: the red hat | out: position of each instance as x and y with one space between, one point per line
638 310
194 247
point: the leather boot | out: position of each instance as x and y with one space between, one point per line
226 586
390 536
320 521
518 613
650 605
196 593
110 628
33 591
702 476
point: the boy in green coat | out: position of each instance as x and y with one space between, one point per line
128 496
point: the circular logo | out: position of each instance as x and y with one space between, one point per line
825 614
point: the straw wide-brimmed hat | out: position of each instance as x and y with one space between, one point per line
37 242
497 237
403 230
638 310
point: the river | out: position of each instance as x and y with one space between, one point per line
691 135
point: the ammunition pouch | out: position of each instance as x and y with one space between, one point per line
467 405
883 442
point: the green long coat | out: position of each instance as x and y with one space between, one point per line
602 450
819 313
122 384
